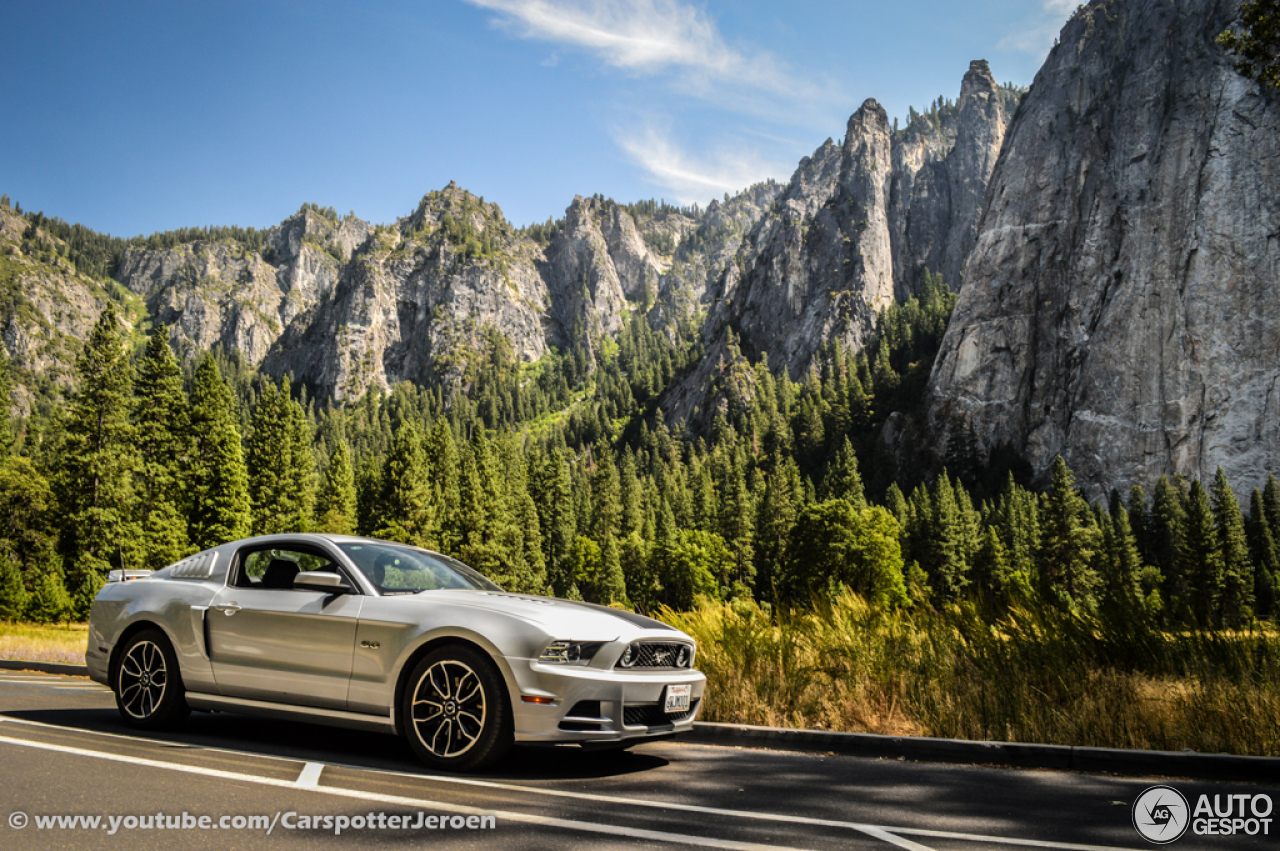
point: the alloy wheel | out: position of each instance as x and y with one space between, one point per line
449 708
143 679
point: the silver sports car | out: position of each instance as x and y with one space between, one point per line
362 633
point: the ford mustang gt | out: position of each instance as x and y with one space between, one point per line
374 635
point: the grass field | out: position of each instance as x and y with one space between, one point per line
63 644
1040 676
1037 676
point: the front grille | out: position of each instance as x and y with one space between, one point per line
659 654
651 714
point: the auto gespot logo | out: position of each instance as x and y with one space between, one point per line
1161 815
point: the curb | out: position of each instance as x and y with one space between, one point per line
1015 754
44 667
922 749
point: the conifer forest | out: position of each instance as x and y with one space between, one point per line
562 478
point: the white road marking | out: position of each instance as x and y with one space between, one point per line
55 685
1000 840
49 681
895 840
422 803
310 775
617 799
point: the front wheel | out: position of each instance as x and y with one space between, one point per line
147 683
456 711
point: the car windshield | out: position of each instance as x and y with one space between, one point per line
405 570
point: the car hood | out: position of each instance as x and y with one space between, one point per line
563 618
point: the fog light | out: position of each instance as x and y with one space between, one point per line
628 657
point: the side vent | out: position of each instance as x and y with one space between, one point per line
199 566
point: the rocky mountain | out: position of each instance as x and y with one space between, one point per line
854 229
226 294
49 307
342 305
416 301
1120 306
942 162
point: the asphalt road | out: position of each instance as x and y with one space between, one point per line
64 751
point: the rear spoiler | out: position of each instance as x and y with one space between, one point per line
114 575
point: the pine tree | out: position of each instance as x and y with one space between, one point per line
96 458
948 565
6 406
632 493
534 578
336 502
643 588
1237 568
775 515
13 593
1120 567
442 467
267 454
1067 543
281 464
27 515
217 479
49 601
1166 534
737 519
842 480
1266 556
302 467
613 586
553 497
1202 567
162 424
1271 506
584 563
406 508
991 571
1017 518
1139 521
606 495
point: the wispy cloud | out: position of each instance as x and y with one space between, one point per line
697 178
654 37
679 47
1037 35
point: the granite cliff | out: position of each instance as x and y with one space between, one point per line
1120 307
855 228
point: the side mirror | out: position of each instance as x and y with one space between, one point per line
318 580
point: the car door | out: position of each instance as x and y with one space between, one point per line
271 641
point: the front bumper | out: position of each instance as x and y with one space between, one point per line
597 704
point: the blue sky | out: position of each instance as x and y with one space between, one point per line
133 117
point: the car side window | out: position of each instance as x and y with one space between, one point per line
276 568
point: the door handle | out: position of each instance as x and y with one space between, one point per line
228 609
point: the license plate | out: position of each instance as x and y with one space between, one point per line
677 699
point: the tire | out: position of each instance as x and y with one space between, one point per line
148 684
463 719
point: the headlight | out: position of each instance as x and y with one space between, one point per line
570 652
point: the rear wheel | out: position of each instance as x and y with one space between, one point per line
456 711
147 683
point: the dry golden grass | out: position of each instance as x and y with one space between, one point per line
1040 676
62 644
